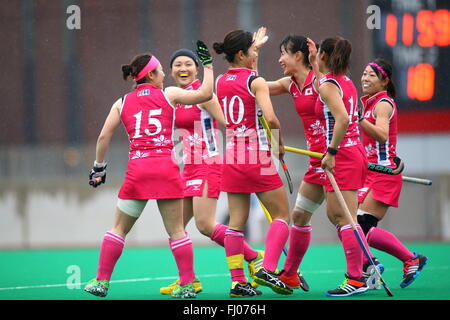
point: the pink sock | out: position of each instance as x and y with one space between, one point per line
276 238
364 239
234 250
218 236
353 252
184 258
385 241
299 239
110 251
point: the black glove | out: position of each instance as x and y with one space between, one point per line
97 176
203 54
360 113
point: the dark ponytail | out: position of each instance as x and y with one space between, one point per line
338 50
293 44
218 47
136 65
234 42
126 71
387 68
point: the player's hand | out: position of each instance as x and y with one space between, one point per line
97 176
203 54
328 163
360 113
312 51
260 38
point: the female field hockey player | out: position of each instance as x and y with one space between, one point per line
298 82
378 121
147 113
248 166
345 156
198 125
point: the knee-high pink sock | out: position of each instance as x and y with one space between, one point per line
234 250
218 236
184 258
110 251
276 238
353 252
385 241
300 237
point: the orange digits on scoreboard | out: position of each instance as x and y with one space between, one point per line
425 27
408 29
420 83
442 23
433 28
391 29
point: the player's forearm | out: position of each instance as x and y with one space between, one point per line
374 131
102 148
206 90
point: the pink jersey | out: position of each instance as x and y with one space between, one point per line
152 172
248 165
350 98
305 101
199 132
244 132
380 153
148 118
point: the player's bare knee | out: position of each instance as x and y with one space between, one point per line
301 217
204 227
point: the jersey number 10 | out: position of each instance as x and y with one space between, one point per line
229 109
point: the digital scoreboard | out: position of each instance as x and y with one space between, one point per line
414 35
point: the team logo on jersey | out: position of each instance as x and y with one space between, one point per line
195 184
144 92
308 92
231 77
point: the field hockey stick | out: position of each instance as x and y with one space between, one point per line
275 144
425 182
371 166
341 200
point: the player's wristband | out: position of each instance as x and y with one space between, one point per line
99 164
332 151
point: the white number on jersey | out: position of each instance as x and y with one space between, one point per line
229 109
151 121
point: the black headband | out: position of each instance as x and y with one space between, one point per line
184 53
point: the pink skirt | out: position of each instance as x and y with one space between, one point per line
155 177
251 178
195 175
350 168
315 174
385 188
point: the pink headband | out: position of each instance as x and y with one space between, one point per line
151 65
380 69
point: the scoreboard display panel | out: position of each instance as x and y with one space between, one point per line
414 35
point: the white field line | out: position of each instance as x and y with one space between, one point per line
216 275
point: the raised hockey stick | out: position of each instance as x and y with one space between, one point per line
371 166
341 200
275 144
425 182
